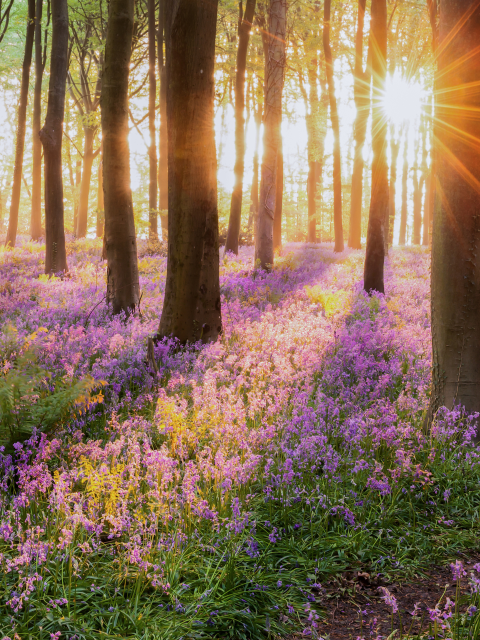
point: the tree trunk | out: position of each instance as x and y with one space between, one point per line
277 220
456 223
234 223
120 239
417 207
274 77
392 192
152 149
163 144
426 211
404 212
337 160
22 121
100 201
83 198
375 253
78 180
252 218
314 149
191 308
51 137
362 105
36 215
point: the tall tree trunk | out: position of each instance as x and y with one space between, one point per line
191 308
277 220
274 77
244 27
337 160
314 148
427 211
392 193
21 126
362 105
120 238
402 239
252 218
456 223
375 253
100 201
51 137
84 195
36 215
163 144
78 180
152 149
417 207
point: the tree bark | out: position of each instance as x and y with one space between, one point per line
456 223
163 144
120 239
402 239
234 223
277 220
100 202
427 211
152 149
84 195
51 138
21 126
315 148
375 253
362 105
36 214
274 77
252 218
337 160
191 308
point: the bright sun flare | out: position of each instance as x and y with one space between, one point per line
403 100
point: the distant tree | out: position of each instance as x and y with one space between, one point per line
51 136
337 160
245 22
456 222
152 148
21 127
375 252
123 290
191 308
40 59
274 78
404 211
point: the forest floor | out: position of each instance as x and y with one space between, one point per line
276 482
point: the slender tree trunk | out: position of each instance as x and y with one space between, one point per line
456 223
274 77
427 211
22 121
417 207
84 195
100 201
375 253
404 212
392 193
314 146
362 105
152 149
51 137
120 239
337 160
277 221
191 308
234 223
78 180
36 215
252 219
163 145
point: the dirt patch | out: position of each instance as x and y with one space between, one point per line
354 606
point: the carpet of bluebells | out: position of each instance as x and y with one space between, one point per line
213 498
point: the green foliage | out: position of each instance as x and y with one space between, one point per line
29 399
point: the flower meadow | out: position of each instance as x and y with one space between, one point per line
214 494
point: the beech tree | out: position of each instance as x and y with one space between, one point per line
21 127
375 252
51 136
337 161
191 308
152 149
163 143
120 238
274 76
456 223
245 22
